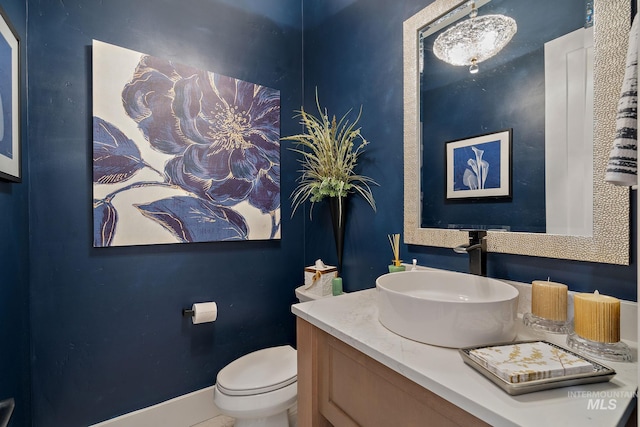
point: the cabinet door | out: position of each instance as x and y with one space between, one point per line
351 389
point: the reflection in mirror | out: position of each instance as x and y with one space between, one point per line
513 98
510 91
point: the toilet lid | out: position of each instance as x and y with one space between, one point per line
259 372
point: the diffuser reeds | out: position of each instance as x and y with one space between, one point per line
394 240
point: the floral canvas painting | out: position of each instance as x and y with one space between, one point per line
180 154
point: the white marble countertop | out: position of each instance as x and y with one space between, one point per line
353 318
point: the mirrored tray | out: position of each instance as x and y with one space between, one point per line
600 373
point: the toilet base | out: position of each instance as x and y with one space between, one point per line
262 410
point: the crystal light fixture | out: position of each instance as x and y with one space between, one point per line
475 39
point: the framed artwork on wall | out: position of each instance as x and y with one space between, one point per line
10 148
479 167
181 154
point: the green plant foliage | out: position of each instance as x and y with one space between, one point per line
329 151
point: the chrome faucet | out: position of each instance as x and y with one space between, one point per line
477 250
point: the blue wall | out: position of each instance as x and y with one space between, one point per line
355 57
14 256
108 335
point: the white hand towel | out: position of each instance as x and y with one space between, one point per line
622 168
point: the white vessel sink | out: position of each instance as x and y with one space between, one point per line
447 309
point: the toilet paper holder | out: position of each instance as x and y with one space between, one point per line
203 312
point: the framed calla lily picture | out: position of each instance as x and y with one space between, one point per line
180 154
479 167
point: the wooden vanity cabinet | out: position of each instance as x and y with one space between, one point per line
342 387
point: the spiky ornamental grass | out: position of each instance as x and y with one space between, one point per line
330 152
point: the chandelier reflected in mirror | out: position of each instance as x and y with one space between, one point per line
474 40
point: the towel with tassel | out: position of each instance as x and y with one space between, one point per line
622 168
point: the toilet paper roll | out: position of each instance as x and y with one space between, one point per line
204 312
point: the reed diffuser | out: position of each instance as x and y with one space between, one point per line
394 240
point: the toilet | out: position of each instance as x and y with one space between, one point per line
259 388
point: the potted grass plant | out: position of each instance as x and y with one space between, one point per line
329 150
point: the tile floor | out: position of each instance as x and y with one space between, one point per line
224 421
219 421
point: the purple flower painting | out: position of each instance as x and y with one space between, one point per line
180 154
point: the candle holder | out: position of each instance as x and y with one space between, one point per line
546 325
617 352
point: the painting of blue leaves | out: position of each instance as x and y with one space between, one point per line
180 154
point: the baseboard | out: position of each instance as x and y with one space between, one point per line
182 411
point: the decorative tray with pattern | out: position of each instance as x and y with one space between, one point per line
526 366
